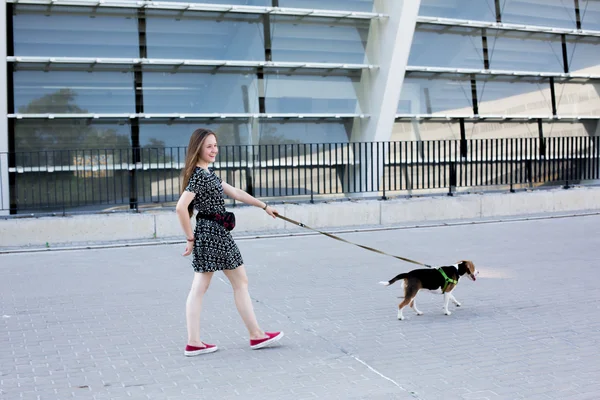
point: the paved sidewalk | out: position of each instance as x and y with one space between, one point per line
109 323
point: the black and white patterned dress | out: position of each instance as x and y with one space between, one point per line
214 248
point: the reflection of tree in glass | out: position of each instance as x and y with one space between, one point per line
59 140
63 134
269 135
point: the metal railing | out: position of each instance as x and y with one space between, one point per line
60 181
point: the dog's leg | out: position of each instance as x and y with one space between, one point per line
454 300
410 291
446 301
413 305
400 307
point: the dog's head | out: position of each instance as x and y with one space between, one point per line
467 267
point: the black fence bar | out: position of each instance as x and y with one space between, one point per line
53 181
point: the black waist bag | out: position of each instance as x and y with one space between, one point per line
227 219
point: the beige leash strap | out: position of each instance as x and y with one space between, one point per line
346 241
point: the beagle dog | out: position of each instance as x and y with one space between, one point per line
439 280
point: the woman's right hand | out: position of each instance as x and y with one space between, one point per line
189 246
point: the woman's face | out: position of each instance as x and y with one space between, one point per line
209 150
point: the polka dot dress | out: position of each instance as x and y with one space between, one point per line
214 248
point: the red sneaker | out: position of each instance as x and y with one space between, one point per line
196 351
272 337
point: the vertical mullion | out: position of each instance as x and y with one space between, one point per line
498 11
553 96
563 40
484 42
577 15
10 103
474 95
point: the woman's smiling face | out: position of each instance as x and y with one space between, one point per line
209 150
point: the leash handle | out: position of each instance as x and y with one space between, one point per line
300 224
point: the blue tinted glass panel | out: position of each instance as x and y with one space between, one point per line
305 132
73 32
207 36
553 13
195 92
503 97
319 40
235 2
69 134
229 132
584 55
589 12
311 94
512 52
452 50
435 96
346 5
478 10
73 92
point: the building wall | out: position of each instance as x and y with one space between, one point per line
524 62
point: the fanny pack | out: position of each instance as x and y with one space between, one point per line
226 219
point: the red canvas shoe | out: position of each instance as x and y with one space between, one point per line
272 337
196 351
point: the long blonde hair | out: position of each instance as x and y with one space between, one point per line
191 158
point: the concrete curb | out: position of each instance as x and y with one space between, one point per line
152 225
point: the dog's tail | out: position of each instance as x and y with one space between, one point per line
394 279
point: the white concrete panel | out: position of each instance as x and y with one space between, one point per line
504 204
322 216
73 229
430 209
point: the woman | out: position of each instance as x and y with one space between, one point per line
212 246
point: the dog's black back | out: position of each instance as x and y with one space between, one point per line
430 279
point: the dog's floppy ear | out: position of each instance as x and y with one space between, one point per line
469 267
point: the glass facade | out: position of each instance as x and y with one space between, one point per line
136 67
515 73
128 77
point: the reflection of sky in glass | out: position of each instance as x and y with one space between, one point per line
311 94
200 93
200 36
554 13
430 96
478 10
519 54
319 40
590 14
76 35
433 49
345 5
236 2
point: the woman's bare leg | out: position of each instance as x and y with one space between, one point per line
239 282
193 306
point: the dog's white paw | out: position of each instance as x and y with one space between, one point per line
400 316
458 304
419 312
384 283
447 312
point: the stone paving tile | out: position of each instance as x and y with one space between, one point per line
109 323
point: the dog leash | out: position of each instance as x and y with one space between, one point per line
300 224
